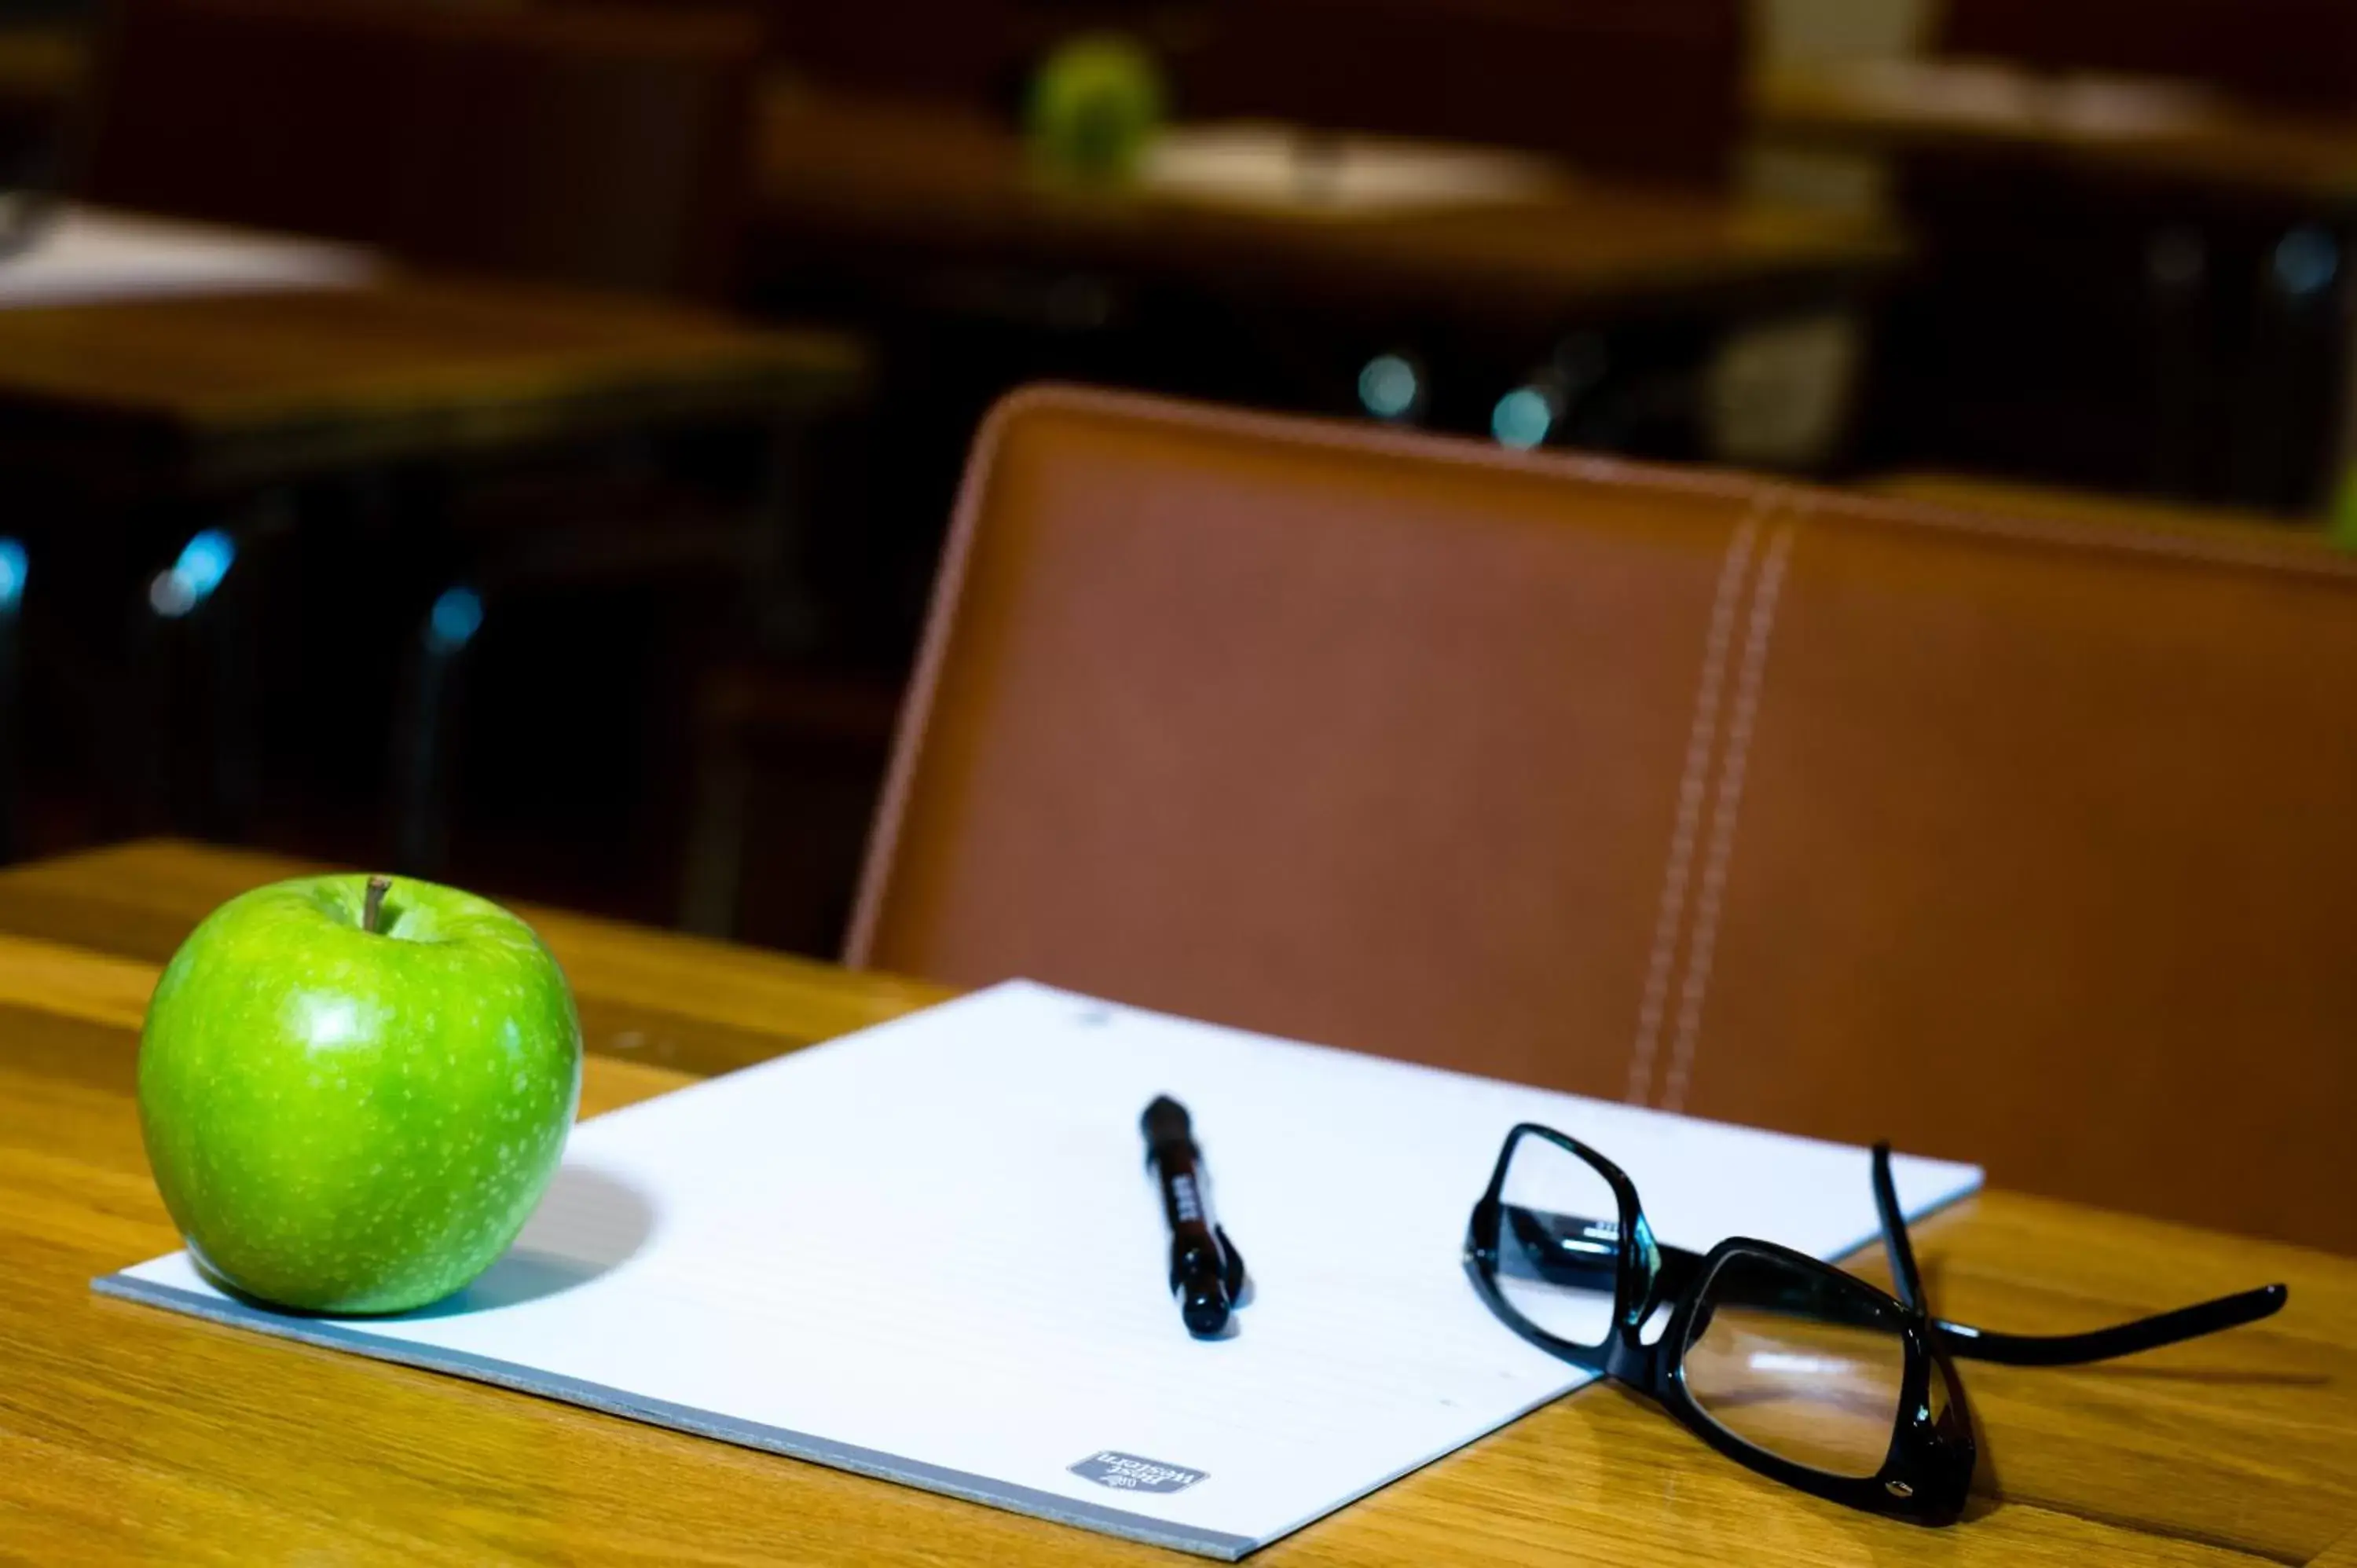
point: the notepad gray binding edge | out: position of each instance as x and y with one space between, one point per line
335 1336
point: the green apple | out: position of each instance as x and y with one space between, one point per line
1096 102
355 1089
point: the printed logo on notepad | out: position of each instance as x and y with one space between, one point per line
1128 1473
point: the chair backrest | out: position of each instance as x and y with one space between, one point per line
595 146
2014 841
2296 54
1643 89
1649 88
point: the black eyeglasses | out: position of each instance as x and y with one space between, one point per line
1809 1375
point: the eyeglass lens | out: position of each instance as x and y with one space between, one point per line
1797 1364
1559 1243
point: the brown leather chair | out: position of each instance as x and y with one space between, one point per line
595 146
2011 840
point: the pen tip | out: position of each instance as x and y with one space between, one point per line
1165 1118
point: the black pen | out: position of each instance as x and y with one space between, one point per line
1207 1272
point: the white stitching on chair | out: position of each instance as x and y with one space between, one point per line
1693 782
1764 592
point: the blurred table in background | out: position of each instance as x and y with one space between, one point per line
2129 282
80 255
882 174
938 176
209 390
2150 128
2217 1454
198 402
939 172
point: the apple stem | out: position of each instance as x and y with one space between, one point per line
373 907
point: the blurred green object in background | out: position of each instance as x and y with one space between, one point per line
1095 101
2342 527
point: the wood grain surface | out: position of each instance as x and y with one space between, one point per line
225 388
131 1433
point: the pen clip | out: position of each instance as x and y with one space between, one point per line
1232 1265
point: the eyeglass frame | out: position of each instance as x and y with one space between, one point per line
1926 1474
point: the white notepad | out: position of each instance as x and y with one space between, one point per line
929 1251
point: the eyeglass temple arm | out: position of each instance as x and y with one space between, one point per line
1596 1269
2121 1339
1907 1280
1593 1265
2056 1349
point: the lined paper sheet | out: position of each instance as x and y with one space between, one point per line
932 1251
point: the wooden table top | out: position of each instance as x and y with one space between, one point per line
897 178
128 1432
229 387
2154 131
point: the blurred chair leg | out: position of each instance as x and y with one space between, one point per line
232 773
425 733
714 862
2178 292
787 617
810 748
193 635
2285 438
146 725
